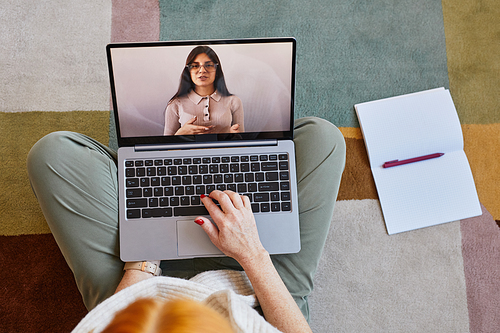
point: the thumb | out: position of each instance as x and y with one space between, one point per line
235 126
192 120
209 228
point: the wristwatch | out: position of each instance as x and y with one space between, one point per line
144 266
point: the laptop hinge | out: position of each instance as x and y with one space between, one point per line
206 145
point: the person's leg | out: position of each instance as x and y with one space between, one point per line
320 156
74 179
82 210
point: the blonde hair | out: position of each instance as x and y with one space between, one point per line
178 316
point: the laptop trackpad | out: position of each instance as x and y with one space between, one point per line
193 241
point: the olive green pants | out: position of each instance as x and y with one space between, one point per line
75 181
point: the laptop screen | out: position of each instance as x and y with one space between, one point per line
192 91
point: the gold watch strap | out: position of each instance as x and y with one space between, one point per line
144 266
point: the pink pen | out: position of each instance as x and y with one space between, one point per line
411 160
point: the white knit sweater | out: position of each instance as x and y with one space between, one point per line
227 292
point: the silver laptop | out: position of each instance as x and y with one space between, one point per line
198 116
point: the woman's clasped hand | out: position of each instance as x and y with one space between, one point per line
189 128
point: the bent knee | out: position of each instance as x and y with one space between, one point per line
323 132
48 148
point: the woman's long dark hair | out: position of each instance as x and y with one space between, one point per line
186 84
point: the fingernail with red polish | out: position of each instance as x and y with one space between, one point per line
202 196
199 221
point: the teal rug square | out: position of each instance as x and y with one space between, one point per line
348 52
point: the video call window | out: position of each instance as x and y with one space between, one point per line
203 89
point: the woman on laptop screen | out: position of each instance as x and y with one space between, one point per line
203 103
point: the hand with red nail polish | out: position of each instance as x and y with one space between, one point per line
236 232
236 235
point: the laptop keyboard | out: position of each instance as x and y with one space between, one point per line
172 187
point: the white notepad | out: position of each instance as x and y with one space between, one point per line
425 193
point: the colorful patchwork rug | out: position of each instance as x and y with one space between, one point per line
438 279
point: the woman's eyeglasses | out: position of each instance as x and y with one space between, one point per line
209 67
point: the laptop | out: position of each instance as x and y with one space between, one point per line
197 116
